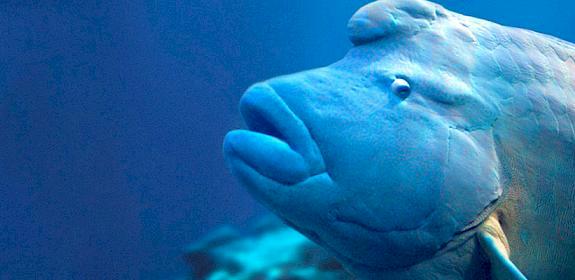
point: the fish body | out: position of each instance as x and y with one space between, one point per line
394 157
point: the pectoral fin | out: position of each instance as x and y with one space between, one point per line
495 245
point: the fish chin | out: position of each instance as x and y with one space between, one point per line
372 249
460 258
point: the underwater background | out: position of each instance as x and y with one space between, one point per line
112 115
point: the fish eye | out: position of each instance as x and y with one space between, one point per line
401 88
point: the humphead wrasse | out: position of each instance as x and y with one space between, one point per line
440 147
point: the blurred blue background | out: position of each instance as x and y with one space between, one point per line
112 115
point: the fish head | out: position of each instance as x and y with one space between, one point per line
383 157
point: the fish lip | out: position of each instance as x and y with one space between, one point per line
231 151
277 144
264 111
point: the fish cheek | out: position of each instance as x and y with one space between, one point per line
471 174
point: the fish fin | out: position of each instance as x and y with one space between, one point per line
495 245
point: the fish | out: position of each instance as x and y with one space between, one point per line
441 146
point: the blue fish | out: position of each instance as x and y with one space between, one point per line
440 147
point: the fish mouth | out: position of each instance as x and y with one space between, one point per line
276 143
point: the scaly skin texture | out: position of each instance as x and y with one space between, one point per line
533 81
395 183
535 141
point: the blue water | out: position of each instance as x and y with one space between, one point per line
112 115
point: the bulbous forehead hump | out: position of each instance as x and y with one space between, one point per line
385 18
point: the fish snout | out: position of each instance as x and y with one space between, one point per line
276 144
